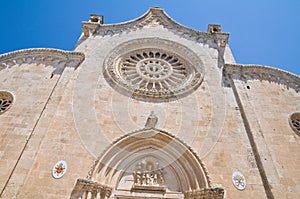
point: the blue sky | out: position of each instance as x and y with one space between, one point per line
264 32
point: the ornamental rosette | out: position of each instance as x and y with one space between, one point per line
153 70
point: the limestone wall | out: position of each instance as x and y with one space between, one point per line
31 76
267 107
231 117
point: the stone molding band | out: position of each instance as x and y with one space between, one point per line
46 56
155 16
257 72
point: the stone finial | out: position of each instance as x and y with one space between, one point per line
151 121
96 18
213 28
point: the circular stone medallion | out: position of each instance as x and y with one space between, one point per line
238 180
6 100
294 120
153 70
59 169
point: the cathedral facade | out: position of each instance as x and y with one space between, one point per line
147 109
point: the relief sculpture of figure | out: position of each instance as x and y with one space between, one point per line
151 121
148 174
137 175
160 176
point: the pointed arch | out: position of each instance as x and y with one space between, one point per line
181 164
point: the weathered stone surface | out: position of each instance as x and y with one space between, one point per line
230 118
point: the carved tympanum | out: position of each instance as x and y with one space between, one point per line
148 173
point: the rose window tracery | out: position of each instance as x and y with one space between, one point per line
154 71
155 74
294 121
6 100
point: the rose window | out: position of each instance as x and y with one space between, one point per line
153 71
294 121
6 100
152 74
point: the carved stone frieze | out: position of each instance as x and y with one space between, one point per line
256 72
153 69
45 56
154 17
207 193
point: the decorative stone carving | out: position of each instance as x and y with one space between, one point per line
148 173
207 193
6 100
147 69
151 121
148 177
256 72
87 189
146 145
41 56
155 17
294 121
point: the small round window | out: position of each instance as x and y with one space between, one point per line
6 100
294 121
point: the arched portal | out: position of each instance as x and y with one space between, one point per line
148 163
126 164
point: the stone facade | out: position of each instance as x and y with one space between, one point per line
146 109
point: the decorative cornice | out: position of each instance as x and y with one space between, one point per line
155 16
257 72
45 56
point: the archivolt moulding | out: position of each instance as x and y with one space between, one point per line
179 162
147 161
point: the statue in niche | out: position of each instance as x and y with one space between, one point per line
151 121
